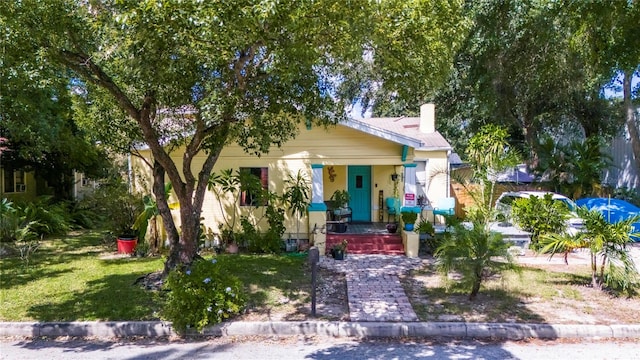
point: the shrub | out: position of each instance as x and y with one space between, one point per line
540 216
51 218
114 208
200 295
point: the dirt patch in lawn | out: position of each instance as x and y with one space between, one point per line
331 303
331 300
546 291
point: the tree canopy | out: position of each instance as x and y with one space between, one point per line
202 74
539 68
37 120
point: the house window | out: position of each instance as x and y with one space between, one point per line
14 181
254 183
84 180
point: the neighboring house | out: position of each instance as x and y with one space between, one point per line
82 185
21 185
361 156
17 184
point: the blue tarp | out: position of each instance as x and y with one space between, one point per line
614 210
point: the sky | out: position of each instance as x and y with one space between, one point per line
615 90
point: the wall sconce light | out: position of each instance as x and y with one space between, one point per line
394 177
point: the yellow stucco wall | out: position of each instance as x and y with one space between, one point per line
336 148
436 174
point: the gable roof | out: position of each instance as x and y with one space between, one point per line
402 130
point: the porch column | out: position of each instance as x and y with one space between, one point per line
409 200
318 210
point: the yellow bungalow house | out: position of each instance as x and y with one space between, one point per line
373 159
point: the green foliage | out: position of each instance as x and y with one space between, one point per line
296 196
30 220
409 217
273 237
544 81
425 227
340 198
575 168
202 294
540 216
50 217
474 253
611 264
149 213
227 187
117 207
489 153
431 241
340 246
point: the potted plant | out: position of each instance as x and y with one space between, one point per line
339 250
123 223
409 219
341 198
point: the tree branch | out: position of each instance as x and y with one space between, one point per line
84 66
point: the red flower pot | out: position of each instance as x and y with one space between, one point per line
127 245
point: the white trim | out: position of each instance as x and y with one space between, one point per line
383 133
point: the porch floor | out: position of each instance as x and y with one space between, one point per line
367 238
365 228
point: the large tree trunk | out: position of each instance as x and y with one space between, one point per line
164 210
189 190
632 125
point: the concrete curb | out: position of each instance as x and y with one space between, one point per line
152 329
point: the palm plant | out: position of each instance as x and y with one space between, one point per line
474 250
476 253
223 183
296 196
611 264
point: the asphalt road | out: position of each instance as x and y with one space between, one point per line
316 348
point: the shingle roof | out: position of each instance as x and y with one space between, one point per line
407 127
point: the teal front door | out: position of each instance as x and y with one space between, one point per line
359 188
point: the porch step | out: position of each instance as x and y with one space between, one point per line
381 244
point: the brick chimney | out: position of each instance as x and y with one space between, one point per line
428 118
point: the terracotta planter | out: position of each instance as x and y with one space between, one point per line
126 244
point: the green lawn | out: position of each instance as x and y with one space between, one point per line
74 278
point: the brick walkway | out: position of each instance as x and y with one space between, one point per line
373 286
